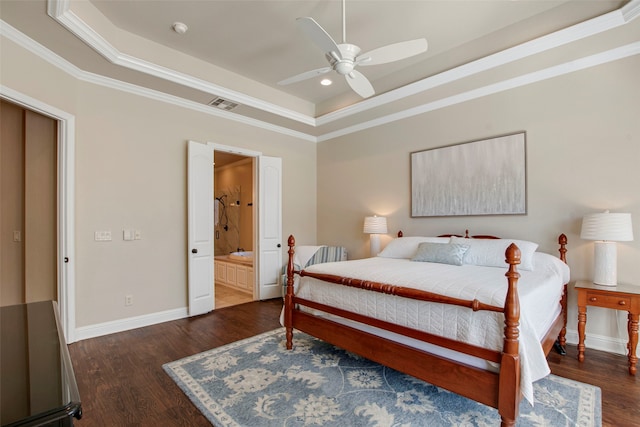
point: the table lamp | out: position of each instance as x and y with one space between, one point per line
374 226
606 229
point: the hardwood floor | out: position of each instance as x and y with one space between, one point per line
122 382
610 372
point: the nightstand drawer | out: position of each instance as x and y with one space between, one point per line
608 301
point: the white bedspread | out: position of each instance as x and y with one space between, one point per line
540 292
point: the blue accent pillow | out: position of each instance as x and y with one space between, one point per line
443 253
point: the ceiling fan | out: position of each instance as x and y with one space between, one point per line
344 57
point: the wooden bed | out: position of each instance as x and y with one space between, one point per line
500 389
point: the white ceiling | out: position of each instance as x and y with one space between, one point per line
240 49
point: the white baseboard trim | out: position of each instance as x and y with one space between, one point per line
100 329
599 342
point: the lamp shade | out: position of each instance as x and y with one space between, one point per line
614 227
375 225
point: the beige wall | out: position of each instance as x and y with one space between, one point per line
131 166
583 147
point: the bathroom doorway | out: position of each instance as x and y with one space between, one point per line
264 272
234 231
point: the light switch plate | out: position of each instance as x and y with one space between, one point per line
102 236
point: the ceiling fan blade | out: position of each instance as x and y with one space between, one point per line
304 76
360 84
392 52
319 36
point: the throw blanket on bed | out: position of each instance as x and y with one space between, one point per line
311 255
306 256
540 292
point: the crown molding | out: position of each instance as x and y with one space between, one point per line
526 79
60 11
562 37
11 33
570 34
16 36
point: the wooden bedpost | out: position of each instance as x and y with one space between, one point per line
509 391
562 241
562 337
288 298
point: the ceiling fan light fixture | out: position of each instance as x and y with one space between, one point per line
344 57
325 82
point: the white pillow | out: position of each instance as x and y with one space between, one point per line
491 252
406 247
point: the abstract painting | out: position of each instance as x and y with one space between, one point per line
484 177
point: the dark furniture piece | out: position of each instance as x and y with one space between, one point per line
37 381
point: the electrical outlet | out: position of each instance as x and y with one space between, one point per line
128 300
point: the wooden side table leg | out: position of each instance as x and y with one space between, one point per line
632 326
582 321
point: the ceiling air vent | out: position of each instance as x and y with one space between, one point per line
223 104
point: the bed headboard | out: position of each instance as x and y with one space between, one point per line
466 235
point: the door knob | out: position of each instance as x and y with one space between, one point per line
194 251
279 245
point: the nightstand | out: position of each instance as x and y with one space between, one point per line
621 297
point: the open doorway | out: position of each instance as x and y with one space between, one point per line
65 203
267 225
234 231
64 200
29 206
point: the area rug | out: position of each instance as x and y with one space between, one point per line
257 382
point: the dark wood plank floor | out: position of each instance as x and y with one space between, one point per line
122 383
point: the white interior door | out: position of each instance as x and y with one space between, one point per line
270 226
200 228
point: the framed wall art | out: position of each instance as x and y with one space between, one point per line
484 177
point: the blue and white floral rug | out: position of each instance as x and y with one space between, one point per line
257 382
